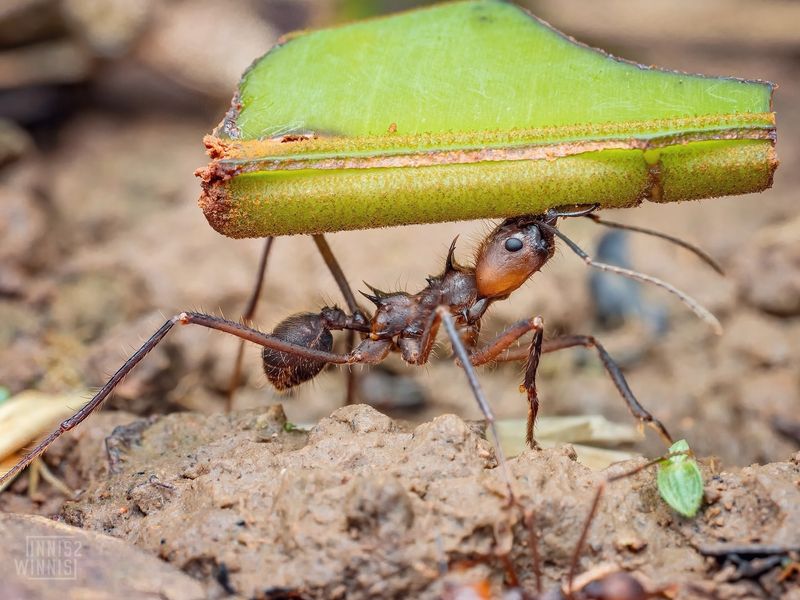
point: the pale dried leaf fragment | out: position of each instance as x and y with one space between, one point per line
30 414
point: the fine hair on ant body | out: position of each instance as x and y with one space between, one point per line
302 345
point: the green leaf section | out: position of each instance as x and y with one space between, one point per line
471 66
680 482
470 110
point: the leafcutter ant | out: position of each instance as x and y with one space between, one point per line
457 298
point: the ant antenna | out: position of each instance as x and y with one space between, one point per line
701 254
693 305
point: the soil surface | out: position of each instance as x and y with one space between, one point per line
362 506
101 239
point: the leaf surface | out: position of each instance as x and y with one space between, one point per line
680 482
470 110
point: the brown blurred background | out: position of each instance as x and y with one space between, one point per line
103 106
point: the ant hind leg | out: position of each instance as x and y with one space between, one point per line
186 318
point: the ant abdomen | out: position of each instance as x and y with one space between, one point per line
285 370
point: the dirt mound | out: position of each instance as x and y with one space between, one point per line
362 506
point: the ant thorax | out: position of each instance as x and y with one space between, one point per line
407 317
506 258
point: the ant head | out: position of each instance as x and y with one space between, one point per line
510 254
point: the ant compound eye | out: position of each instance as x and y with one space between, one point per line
513 244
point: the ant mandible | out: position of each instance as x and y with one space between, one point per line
301 345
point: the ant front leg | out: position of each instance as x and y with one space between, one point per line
617 583
493 349
638 411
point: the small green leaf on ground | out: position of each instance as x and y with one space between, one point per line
5 394
680 482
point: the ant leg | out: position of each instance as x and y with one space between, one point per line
336 271
491 351
587 341
247 316
249 313
352 388
529 383
429 337
185 318
350 300
468 336
443 314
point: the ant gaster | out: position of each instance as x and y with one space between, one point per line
301 345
